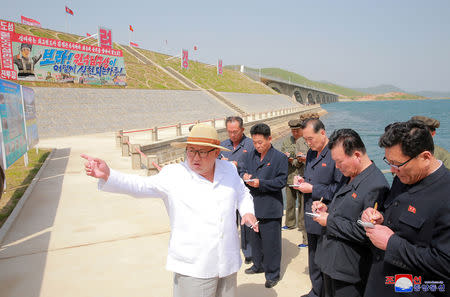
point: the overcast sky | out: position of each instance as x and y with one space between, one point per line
358 43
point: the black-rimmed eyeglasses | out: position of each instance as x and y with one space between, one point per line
191 152
396 166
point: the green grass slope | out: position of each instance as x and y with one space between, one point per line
299 79
205 75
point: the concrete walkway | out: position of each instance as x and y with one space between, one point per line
72 240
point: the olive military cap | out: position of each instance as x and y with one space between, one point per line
295 124
430 122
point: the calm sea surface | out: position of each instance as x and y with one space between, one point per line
370 117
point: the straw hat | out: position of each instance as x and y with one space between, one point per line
202 134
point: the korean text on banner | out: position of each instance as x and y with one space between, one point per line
105 38
33 58
184 59
6 52
219 67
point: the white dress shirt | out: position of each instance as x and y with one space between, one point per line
204 240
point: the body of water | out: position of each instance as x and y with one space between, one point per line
369 118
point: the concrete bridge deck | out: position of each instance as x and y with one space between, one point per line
71 240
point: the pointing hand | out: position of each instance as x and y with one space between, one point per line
96 167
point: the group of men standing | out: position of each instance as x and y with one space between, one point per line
335 180
361 236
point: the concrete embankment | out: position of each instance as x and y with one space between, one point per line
67 112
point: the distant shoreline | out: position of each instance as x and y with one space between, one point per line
388 99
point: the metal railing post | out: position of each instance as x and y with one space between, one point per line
119 135
155 134
179 129
125 147
135 156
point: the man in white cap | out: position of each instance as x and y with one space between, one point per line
204 243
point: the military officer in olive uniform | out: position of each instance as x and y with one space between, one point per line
295 148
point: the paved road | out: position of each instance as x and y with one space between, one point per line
72 240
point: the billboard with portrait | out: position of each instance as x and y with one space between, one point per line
26 57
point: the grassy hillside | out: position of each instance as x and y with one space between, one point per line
144 76
299 79
205 75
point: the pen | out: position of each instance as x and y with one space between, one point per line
320 201
374 209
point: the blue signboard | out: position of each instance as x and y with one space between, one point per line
14 141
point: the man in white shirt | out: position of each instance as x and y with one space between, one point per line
204 243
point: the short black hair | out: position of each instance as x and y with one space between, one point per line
350 139
413 137
316 123
234 119
260 129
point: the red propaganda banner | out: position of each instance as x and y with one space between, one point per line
219 67
184 59
30 22
69 11
33 58
104 38
134 44
6 55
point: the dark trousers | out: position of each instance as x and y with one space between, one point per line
314 271
337 288
266 248
245 237
246 246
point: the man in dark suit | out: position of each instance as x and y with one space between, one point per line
321 180
265 172
412 231
239 145
343 253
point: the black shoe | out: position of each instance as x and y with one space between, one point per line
248 260
270 283
253 270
